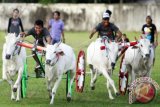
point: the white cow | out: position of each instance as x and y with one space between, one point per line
13 58
138 60
60 58
102 61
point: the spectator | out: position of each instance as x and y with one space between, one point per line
15 23
56 27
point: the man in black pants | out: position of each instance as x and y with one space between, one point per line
150 31
39 33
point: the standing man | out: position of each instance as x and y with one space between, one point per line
105 28
39 33
15 23
150 31
56 27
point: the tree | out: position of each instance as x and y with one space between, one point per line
121 1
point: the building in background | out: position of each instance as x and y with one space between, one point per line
79 1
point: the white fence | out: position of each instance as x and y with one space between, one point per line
83 17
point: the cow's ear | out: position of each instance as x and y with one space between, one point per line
14 34
5 37
45 43
18 37
135 38
141 37
60 52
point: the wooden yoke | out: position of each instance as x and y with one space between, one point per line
27 45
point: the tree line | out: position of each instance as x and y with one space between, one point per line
67 1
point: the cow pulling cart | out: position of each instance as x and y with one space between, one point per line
80 69
142 88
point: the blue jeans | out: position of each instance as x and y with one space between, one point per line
55 41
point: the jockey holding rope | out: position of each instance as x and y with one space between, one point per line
39 33
107 29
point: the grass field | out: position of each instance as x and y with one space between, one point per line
37 95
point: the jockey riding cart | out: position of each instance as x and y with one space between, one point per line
39 52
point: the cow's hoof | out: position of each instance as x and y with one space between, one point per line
68 99
100 74
17 100
14 89
51 103
93 88
117 93
95 81
111 98
13 99
50 97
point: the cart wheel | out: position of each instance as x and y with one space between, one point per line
80 72
124 86
24 82
68 91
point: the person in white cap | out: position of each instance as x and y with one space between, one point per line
109 12
105 28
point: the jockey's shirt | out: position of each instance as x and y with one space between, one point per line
40 37
108 31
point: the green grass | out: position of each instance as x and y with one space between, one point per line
37 95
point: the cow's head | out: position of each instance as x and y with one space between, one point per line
144 46
11 44
53 52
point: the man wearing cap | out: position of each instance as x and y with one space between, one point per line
105 28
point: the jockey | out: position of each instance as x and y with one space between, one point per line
39 33
107 29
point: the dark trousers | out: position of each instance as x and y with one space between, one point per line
36 57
